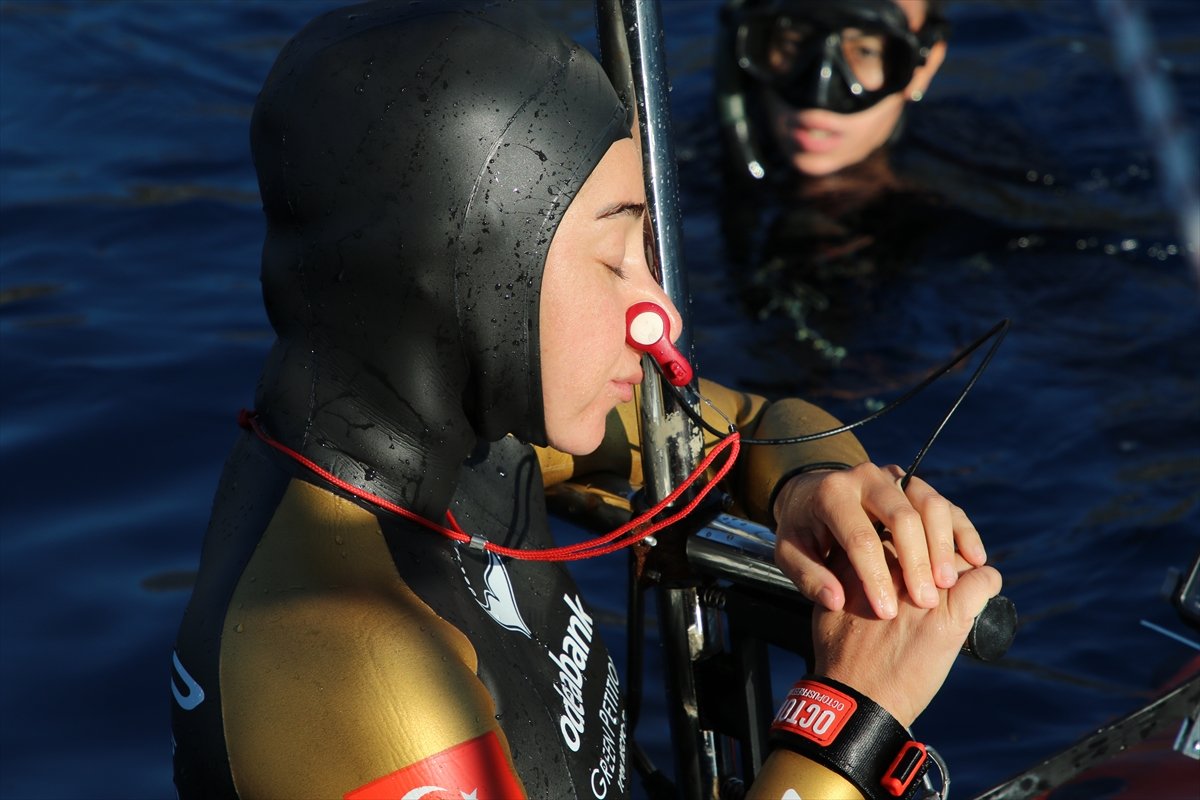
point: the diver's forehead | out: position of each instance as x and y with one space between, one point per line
615 189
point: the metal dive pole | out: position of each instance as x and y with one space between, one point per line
633 53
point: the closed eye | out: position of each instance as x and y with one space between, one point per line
629 209
618 270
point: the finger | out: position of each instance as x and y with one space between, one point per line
967 539
866 555
841 509
801 559
895 511
937 517
912 551
968 597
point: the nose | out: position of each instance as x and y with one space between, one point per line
646 330
676 317
648 289
660 297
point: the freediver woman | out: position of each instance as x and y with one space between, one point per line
455 234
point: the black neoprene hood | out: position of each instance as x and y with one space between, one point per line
414 161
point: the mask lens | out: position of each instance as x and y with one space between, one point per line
790 47
865 56
841 57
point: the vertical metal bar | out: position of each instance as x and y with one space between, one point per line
677 442
754 667
633 52
682 630
631 46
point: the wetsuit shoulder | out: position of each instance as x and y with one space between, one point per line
308 666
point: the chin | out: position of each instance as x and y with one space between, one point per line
579 440
817 166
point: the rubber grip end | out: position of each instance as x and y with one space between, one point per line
993 631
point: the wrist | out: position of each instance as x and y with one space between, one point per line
797 481
877 688
844 730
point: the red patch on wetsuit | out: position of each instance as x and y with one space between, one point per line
474 770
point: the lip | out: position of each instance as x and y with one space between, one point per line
814 130
815 138
625 386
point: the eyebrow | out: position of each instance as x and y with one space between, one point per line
622 209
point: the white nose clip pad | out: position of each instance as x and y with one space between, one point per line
648 330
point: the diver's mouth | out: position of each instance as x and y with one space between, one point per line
624 386
815 140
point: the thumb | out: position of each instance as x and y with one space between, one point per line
968 597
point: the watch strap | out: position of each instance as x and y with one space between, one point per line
844 730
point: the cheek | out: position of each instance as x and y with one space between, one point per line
874 126
583 335
599 326
579 363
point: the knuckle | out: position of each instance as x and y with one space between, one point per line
938 505
826 502
861 539
905 521
960 518
838 483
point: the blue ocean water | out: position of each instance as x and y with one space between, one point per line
131 332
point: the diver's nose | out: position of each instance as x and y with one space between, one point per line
650 290
673 314
676 319
648 328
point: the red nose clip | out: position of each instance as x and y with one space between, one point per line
648 330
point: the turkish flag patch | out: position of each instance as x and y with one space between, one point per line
474 770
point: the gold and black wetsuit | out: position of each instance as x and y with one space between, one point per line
329 645
414 161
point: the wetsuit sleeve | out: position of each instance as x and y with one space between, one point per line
785 771
761 469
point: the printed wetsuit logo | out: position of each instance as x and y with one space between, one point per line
572 663
612 744
195 694
499 599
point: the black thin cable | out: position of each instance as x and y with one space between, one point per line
1001 330
998 330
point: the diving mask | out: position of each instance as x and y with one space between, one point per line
839 55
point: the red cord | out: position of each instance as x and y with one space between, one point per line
623 536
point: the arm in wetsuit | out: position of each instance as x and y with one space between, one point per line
761 470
